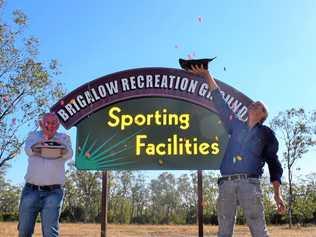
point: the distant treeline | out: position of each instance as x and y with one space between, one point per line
166 199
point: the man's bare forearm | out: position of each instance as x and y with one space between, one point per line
276 187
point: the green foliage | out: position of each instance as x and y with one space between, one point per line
296 129
9 200
27 88
164 200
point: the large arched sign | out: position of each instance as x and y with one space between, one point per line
148 119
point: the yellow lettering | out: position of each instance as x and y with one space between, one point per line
139 144
203 148
114 117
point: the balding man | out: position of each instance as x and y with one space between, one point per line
250 146
43 192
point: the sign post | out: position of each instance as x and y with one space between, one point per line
104 204
200 202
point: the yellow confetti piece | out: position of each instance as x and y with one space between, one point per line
239 157
160 162
72 101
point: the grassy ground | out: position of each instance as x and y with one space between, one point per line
8 229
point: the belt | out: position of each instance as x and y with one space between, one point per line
237 177
43 188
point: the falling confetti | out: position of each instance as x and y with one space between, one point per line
87 154
234 160
6 98
189 56
239 158
216 138
177 46
160 162
200 19
231 117
13 121
79 148
72 101
224 68
62 102
219 122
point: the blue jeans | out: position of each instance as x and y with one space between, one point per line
47 203
247 194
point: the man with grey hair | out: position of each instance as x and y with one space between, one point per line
250 146
43 191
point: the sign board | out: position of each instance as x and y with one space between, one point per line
148 119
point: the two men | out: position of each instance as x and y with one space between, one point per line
250 146
43 192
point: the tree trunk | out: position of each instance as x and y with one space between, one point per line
290 198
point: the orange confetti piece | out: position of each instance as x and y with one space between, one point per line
72 101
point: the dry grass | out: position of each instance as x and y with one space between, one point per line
8 229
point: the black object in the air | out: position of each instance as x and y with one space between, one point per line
186 64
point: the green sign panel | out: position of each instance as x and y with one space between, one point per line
151 133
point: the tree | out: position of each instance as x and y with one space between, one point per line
165 198
27 88
297 129
9 199
187 190
83 195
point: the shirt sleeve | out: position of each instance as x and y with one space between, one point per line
31 139
271 157
65 139
227 116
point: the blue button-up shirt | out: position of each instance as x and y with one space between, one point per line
248 148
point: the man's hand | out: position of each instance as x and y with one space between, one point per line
200 71
280 204
44 129
35 149
278 197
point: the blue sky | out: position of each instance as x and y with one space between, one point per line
268 47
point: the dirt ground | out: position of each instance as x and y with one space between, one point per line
8 229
